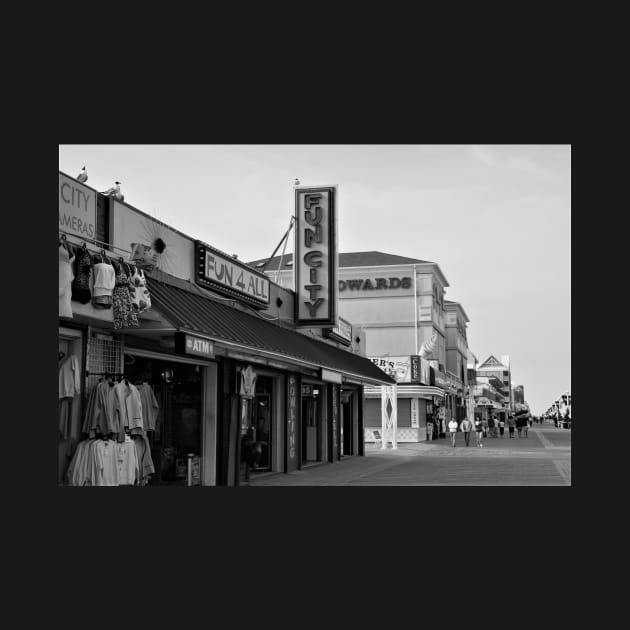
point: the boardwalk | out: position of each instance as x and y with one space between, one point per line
542 459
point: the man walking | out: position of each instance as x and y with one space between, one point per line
466 427
511 425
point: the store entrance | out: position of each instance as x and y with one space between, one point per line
346 427
261 422
176 440
311 424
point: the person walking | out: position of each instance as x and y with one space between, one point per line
501 427
452 428
479 431
429 430
520 423
511 424
484 427
466 427
491 426
525 426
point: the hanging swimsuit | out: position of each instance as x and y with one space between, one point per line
81 283
124 315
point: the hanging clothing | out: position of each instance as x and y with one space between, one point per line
65 417
65 281
128 472
69 377
80 469
145 461
82 277
103 282
150 406
105 462
124 315
130 407
140 298
102 415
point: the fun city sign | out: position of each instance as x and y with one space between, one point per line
316 256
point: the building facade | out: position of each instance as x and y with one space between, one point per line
398 312
184 363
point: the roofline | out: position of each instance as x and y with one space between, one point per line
458 305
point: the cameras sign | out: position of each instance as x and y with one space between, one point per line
77 208
315 265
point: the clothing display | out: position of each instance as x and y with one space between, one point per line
124 314
104 463
69 386
69 377
82 277
145 461
65 281
140 298
150 406
130 405
102 415
103 282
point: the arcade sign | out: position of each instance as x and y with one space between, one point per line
316 256
216 271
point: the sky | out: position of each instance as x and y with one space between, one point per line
495 218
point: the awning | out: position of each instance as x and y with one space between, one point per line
408 391
190 311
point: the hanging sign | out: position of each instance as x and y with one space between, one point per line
77 208
218 272
414 413
341 333
425 372
316 284
191 344
291 452
399 368
330 376
248 382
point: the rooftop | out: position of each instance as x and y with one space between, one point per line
348 259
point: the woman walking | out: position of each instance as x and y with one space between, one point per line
501 427
479 431
452 428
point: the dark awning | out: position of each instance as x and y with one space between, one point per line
191 311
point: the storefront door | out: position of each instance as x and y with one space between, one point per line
311 427
261 422
177 436
346 428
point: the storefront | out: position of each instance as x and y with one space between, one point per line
196 377
284 400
